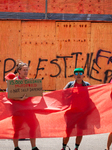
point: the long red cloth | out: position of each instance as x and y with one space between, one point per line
69 112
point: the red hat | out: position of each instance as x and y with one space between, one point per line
10 76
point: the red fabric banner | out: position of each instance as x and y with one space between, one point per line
69 112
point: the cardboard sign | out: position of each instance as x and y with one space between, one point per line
30 87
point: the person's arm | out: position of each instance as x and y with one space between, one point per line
20 98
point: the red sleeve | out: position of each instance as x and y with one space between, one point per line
111 81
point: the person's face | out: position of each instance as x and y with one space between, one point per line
23 72
79 76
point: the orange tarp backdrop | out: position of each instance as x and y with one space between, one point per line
70 112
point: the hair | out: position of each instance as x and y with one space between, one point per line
19 65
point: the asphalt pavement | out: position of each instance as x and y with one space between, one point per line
89 142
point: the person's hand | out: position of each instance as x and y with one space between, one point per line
24 97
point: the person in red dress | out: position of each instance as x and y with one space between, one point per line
22 68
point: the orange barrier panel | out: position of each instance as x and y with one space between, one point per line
54 49
23 6
10 46
80 6
58 6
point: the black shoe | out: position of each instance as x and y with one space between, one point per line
17 148
68 148
35 148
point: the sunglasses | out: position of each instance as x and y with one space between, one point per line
80 73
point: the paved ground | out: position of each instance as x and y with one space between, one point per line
92 142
